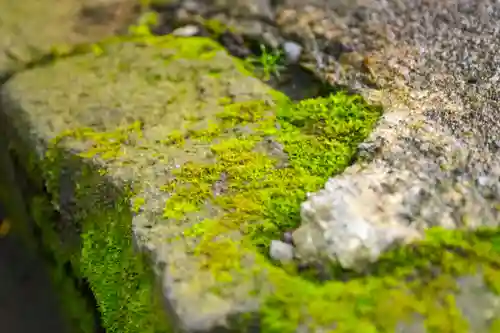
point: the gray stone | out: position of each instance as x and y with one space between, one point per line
479 305
292 51
281 251
423 165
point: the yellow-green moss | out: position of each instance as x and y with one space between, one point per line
378 302
320 137
102 252
261 200
120 279
216 28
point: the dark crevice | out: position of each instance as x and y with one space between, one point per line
6 76
29 190
294 80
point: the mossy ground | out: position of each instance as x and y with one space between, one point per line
261 200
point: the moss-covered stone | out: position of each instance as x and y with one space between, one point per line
75 304
169 146
96 128
153 116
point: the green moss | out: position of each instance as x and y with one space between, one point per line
262 199
192 47
120 279
145 22
389 296
102 251
269 63
103 254
320 137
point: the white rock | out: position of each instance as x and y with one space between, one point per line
281 251
292 52
338 225
186 31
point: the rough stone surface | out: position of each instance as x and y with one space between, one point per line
340 227
186 31
29 28
472 300
433 160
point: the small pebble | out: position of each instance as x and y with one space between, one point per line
287 237
186 31
292 52
281 251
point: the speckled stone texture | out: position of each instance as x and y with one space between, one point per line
432 161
